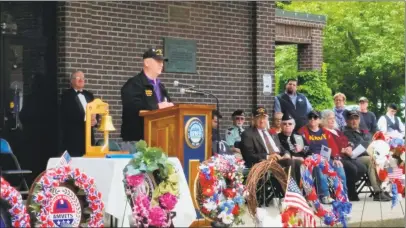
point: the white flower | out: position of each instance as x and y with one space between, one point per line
226 218
210 206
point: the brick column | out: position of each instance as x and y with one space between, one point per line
310 56
264 30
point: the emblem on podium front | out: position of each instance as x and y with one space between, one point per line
194 133
66 210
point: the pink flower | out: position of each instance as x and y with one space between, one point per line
135 180
142 205
168 201
157 217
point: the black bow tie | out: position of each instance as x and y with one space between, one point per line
79 92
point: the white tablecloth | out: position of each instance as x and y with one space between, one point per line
108 176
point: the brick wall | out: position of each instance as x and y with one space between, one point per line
235 46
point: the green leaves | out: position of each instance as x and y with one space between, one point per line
147 159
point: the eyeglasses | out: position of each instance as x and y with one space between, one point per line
288 124
239 118
79 78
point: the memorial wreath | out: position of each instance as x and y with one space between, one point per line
152 187
219 189
18 212
341 205
42 197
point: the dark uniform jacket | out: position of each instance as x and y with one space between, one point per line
253 149
298 110
356 138
72 121
138 94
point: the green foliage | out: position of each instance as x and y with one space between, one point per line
149 159
285 65
316 89
363 45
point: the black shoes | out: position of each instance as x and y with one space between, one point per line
382 196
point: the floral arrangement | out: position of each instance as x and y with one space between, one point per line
151 205
222 192
18 211
341 205
52 178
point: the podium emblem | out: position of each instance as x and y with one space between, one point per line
194 133
66 210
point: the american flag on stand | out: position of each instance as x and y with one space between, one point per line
395 173
64 160
294 198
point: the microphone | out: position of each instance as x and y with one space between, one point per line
183 91
177 83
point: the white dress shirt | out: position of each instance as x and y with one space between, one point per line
274 147
83 101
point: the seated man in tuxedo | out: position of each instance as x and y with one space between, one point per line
73 115
258 145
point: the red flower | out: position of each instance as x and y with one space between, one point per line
312 196
236 210
229 192
208 192
205 211
382 175
320 212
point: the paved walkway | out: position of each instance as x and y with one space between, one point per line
372 211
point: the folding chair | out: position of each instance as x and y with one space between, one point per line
5 149
364 182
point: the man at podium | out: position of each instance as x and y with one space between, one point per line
143 92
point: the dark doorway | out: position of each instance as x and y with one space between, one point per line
28 83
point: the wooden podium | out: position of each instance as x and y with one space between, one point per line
183 131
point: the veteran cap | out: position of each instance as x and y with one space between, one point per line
313 114
154 54
286 117
260 111
352 113
363 99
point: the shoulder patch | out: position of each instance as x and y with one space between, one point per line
231 128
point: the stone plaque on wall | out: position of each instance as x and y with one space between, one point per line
179 14
181 55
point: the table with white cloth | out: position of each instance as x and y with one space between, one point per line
108 176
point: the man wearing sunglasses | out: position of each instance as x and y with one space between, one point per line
233 134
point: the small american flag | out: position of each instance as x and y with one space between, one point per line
395 173
64 160
294 198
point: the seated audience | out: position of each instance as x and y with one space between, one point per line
233 134
363 138
258 145
294 143
317 137
276 123
354 169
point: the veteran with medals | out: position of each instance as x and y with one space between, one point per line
143 92
233 134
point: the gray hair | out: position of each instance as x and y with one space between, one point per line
324 116
72 76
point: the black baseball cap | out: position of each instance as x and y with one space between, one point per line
238 112
352 113
286 117
154 53
260 111
313 114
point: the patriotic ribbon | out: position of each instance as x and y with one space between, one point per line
18 211
341 205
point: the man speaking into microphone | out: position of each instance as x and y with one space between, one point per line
143 92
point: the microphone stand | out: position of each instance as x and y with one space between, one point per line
218 110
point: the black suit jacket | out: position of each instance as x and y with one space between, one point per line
253 149
72 121
136 96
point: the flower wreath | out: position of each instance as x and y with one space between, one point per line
18 212
341 205
152 206
220 190
52 178
394 158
